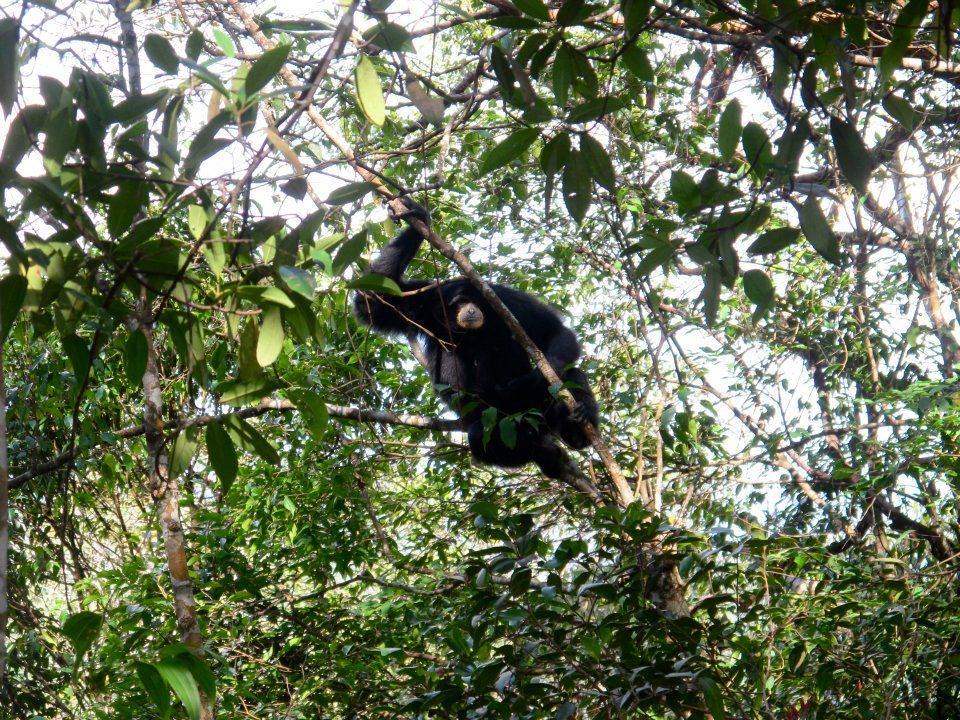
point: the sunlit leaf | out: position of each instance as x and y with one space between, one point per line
369 91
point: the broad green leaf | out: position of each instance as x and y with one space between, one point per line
78 353
161 53
758 287
563 66
313 410
756 147
596 108
299 281
184 685
904 28
533 8
129 199
245 392
9 63
250 439
571 12
635 13
13 290
265 69
156 688
369 91
82 629
901 111
350 251
713 697
855 160
555 154
637 62
773 241
200 671
598 161
224 42
135 357
375 283
817 230
508 150
659 255
684 191
196 221
349 193
508 431
182 452
711 293
262 294
222 455
728 130
389 36
271 336
577 186
194 44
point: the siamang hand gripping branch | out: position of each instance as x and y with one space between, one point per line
474 362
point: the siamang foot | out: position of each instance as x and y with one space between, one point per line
579 414
413 210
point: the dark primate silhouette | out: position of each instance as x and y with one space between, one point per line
474 362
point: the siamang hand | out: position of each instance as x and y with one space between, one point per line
578 414
413 210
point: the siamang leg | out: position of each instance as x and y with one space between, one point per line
571 428
530 447
495 452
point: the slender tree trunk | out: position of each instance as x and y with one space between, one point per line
165 493
4 528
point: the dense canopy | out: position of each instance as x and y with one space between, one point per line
222 496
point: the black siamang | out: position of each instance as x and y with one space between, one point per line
474 362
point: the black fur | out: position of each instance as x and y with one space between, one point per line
474 370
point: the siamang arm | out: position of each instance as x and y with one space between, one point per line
391 313
561 348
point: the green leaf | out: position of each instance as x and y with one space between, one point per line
773 241
78 354
349 193
756 147
817 231
178 676
375 283
156 688
684 191
577 186
222 455
82 629
161 53
713 697
855 160
299 281
350 251
601 167
508 150
224 42
265 69
196 221
245 392
13 290
200 671
271 336
904 28
390 36
596 108
758 287
728 130
571 12
369 92
251 439
901 111
555 154
637 62
711 293
182 452
654 259
135 357
129 199
9 62
533 8
562 74
194 44
313 410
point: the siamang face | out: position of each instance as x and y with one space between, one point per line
466 312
